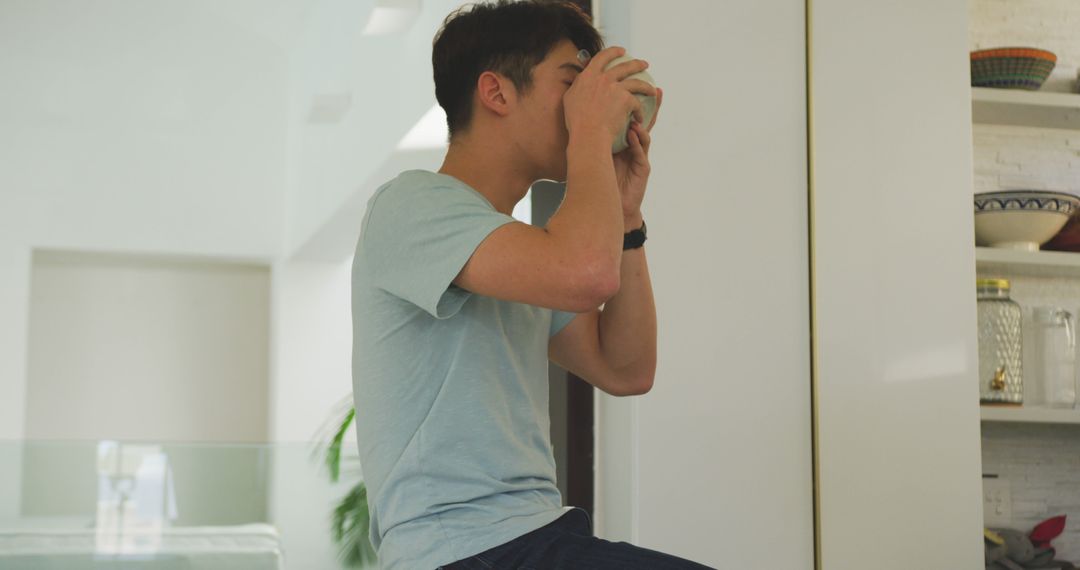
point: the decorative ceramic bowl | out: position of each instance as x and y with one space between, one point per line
1021 219
1011 67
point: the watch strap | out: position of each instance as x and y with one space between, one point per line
634 239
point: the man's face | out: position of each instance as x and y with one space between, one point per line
545 136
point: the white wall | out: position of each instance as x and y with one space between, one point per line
312 334
301 500
714 464
131 127
897 399
14 315
388 80
147 349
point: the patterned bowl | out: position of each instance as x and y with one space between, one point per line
1021 219
1011 67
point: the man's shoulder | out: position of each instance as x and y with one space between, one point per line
419 206
412 185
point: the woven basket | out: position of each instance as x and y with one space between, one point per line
1011 68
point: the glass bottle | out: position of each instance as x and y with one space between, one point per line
1000 373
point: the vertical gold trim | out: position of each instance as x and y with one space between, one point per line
814 429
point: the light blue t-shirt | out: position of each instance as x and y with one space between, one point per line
450 387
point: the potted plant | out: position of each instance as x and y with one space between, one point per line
350 520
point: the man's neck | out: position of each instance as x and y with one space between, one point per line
488 171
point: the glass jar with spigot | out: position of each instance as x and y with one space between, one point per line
1000 369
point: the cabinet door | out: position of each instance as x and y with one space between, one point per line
894 304
714 464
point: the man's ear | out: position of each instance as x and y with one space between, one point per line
495 92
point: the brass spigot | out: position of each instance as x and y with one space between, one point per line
998 383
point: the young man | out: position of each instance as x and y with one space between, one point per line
457 307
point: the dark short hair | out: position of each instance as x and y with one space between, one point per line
506 37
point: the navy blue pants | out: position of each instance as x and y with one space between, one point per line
567 543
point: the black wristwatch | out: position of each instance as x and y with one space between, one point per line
634 239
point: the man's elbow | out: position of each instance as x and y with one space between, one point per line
601 282
642 388
637 386
634 390
590 286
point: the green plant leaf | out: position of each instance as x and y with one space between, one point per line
350 526
350 520
333 452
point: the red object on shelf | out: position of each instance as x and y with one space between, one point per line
1046 531
1068 239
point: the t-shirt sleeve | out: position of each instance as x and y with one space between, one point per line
417 239
559 319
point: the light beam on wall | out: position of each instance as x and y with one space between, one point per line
428 133
391 17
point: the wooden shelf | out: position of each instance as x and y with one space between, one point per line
1030 415
1032 263
1046 109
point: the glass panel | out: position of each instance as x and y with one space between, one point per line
147 505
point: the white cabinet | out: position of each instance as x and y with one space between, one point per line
896 399
715 463
892 407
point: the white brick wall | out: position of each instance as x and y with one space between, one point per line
1042 464
1008 158
1022 158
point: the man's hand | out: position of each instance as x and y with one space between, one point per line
632 168
599 100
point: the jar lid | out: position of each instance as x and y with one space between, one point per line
992 283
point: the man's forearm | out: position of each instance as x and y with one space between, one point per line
589 218
628 321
